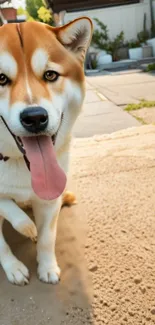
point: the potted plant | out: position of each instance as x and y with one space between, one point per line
151 41
123 51
115 45
102 41
147 50
143 36
135 50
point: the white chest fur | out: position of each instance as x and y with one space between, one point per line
15 180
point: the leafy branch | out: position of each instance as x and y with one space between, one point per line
102 41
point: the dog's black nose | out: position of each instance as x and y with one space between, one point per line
34 119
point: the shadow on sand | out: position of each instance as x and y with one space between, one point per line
37 303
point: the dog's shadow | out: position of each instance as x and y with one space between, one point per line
69 302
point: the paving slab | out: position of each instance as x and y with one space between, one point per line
118 96
125 89
91 96
138 91
102 117
100 108
117 80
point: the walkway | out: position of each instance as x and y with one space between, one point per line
103 106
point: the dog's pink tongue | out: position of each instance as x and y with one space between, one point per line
48 179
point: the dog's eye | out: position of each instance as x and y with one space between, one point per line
51 75
4 80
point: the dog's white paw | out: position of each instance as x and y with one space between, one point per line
49 274
17 273
27 228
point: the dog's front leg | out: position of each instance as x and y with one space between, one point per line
46 216
18 218
16 271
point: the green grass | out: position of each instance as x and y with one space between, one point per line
139 119
143 103
150 67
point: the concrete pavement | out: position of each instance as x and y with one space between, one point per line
126 88
105 99
100 114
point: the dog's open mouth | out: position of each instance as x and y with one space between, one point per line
20 144
47 177
19 141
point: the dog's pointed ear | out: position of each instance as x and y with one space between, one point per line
76 36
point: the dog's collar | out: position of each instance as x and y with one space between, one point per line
5 158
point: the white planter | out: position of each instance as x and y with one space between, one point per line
101 53
147 51
104 59
136 53
152 42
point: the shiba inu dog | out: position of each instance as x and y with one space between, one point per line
41 94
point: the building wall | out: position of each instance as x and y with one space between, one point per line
154 9
9 13
127 18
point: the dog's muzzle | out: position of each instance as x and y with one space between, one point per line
34 119
35 122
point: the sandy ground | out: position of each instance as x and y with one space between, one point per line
105 246
147 115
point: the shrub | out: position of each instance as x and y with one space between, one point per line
102 41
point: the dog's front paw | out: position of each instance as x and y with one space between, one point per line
68 199
49 274
17 273
27 228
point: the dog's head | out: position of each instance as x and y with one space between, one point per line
41 93
41 76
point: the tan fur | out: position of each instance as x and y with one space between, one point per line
40 35
68 199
